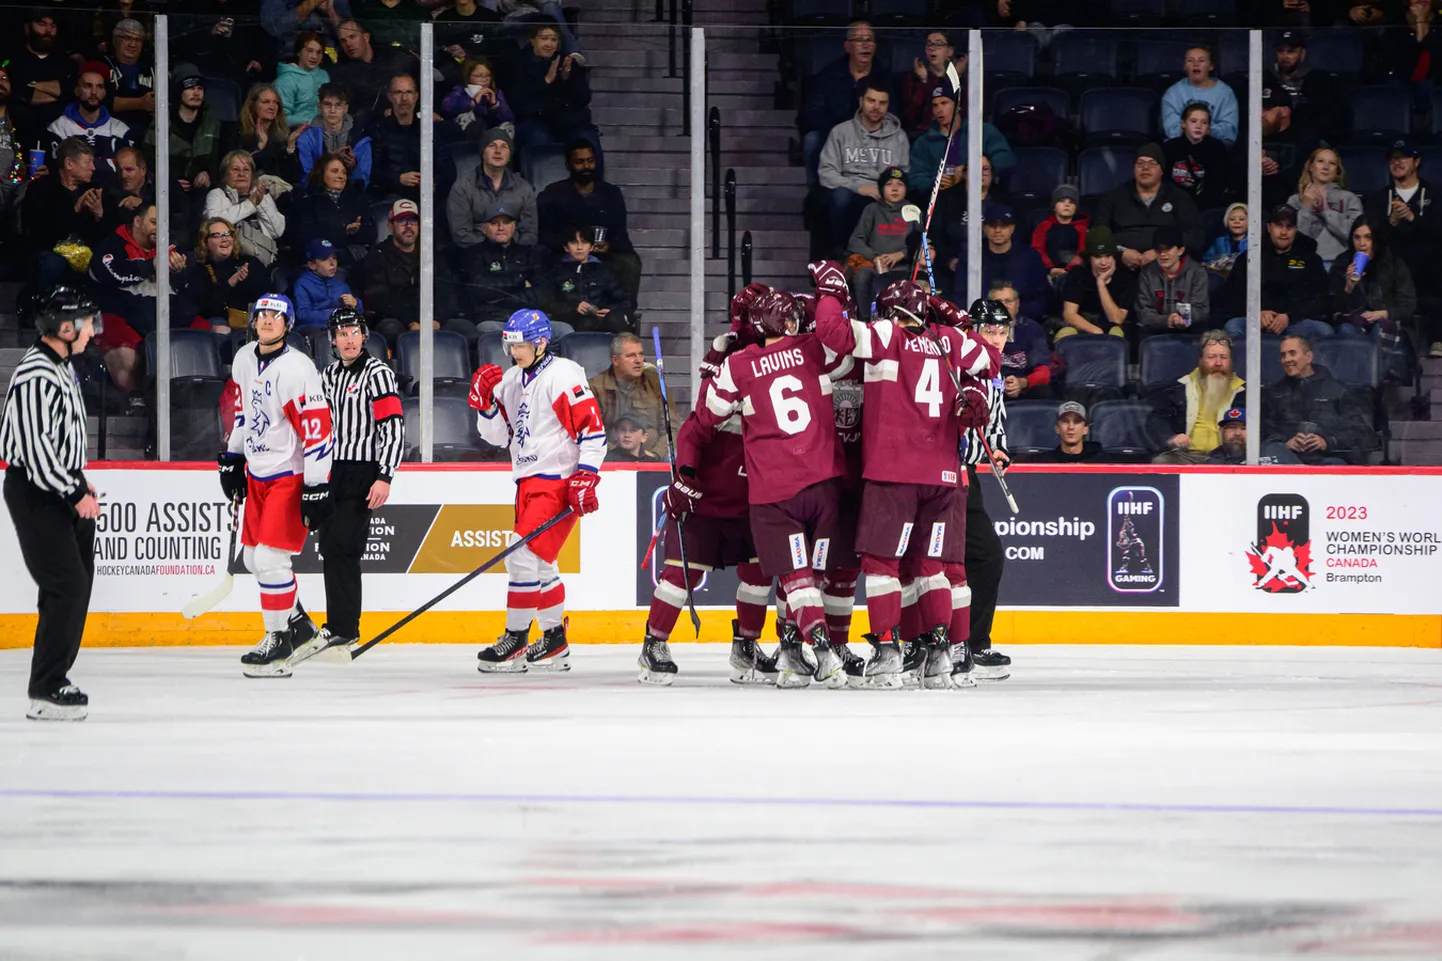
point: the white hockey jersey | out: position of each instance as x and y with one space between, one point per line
282 420
548 417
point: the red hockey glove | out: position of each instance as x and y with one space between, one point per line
945 312
581 491
483 387
742 302
681 497
971 407
830 280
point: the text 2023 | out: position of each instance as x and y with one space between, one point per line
1347 513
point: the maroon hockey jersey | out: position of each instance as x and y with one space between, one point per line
719 459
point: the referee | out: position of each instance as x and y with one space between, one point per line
984 559
53 507
369 431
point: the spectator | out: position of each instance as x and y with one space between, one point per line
584 292
393 22
1364 13
949 224
244 200
927 150
1098 298
299 83
878 248
499 271
123 273
1411 50
1377 299
855 154
65 207
390 276
632 432
630 385
398 142
1414 221
335 209
286 19
478 100
195 142
337 133
1134 210
224 282
366 72
1172 290
14 169
1025 358
132 77
319 290
1286 144
130 189
919 85
233 48
585 198
468 28
1232 429
1072 430
1018 263
551 93
1186 411
87 118
1199 86
1196 161
493 184
832 94
1312 414
1225 250
265 133
1325 209
1294 283
1313 93
1062 236
39 70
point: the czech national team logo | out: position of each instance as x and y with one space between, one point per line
1134 539
1281 557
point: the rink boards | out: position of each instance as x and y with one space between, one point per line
1095 555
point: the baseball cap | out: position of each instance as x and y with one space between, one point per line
494 211
94 66
1151 151
993 212
1066 192
1101 243
890 173
1291 38
405 208
1167 236
1404 147
1274 94
1234 415
319 249
640 420
1071 407
1282 214
129 27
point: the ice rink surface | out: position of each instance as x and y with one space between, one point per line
1122 804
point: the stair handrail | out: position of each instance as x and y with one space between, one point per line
671 40
713 136
686 17
731 231
747 251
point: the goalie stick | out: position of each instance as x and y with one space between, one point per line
233 566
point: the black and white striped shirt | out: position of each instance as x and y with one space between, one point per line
365 412
43 426
995 429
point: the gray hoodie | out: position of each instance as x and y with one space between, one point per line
474 194
854 156
1158 295
1332 228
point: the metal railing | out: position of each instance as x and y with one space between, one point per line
730 232
713 137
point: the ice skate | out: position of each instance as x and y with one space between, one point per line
961 666
829 669
656 664
749 663
912 655
551 652
792 668
68 703
989 665
883 670
337 649
307 639
506 656
937 669
270 657
852 664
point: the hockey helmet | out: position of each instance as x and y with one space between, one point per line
903 302
277 304
776 314
990 313
527 327
49 309
808 312
341 318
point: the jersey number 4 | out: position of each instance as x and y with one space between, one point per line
928 387
792 414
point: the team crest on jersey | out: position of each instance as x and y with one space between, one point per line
522 428
846 401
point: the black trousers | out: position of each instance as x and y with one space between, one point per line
343 543
984 563
59 551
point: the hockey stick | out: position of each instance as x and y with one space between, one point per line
233 566
671 447
357 652
955 81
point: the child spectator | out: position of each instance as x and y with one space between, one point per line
584 292
479 100
878 245
1061 237
336 134
319 291
1097 297
1196 161
1223 252
265 133
1172 290
631 433
299 83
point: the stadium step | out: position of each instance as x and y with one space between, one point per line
666 121
647 195
637 170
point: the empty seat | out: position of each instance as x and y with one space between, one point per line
376 347
1120 426
1341 50
1058 101
381 217
1431 157
454 435
1366 168
1094 361
1138 13
1271 359
196 383
193 354
490 349
590 349
543 164
452 363
1379 114
1166 357
1118 115
1084 59
1352 360
559 329
1037 173
819 11
1233 53
1159 60
496 325
1009 56
1030 427
1211 13
1100 169
815 51
223 98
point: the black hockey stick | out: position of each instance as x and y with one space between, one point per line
671 448
357 652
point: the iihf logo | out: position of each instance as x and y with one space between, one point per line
1281 557
1134 539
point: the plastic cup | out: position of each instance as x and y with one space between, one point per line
600 236
37 160
1184 310
1359 262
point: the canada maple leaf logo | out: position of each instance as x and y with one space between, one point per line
1280 566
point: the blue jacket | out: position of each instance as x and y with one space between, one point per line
926 154
310 145
316 297
832 95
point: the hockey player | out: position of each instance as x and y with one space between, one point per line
718 531
278 458
543 409
781 387
369 430
910 451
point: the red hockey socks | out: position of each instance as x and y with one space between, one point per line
752 595
667 601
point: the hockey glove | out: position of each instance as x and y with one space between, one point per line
232 476
742 302
945 312
581 491
681 497
830 280
716 356
971 408
483 387
315 505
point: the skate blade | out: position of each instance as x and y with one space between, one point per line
855 682
335 654
792 681
45 711
834 681
991 673
308 650
883 682
655 678
752 676
273 669
556 664
910 679
937 682
960 681
516 665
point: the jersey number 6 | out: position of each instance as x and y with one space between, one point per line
792 414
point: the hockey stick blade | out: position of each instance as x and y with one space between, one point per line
357 652
222 589
671 448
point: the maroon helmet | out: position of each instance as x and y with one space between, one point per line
808 310
902 301
776 314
